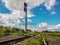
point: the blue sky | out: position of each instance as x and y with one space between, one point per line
46 16
3 9
40 12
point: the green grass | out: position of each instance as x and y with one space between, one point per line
55 37
50 43
34 40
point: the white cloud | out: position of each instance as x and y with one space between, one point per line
14 5
43 25
29 14
28 20
19 4
34 3
9 25
40 27
54 28
17 7
49 4
53 12
9 20
57 26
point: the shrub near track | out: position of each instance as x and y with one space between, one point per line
33 41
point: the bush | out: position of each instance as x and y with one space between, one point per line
21 32
1 34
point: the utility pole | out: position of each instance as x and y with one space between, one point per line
25 10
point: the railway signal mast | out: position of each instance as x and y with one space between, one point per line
25 10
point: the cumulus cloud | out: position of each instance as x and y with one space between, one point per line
54 28
19 4
49 4
57 26
17 8
43 25
9 20
14 5
34 3
40 27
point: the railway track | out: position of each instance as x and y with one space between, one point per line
45 43
19 39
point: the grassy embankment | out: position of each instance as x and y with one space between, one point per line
52 37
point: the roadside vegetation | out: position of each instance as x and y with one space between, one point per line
8 31
36 38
